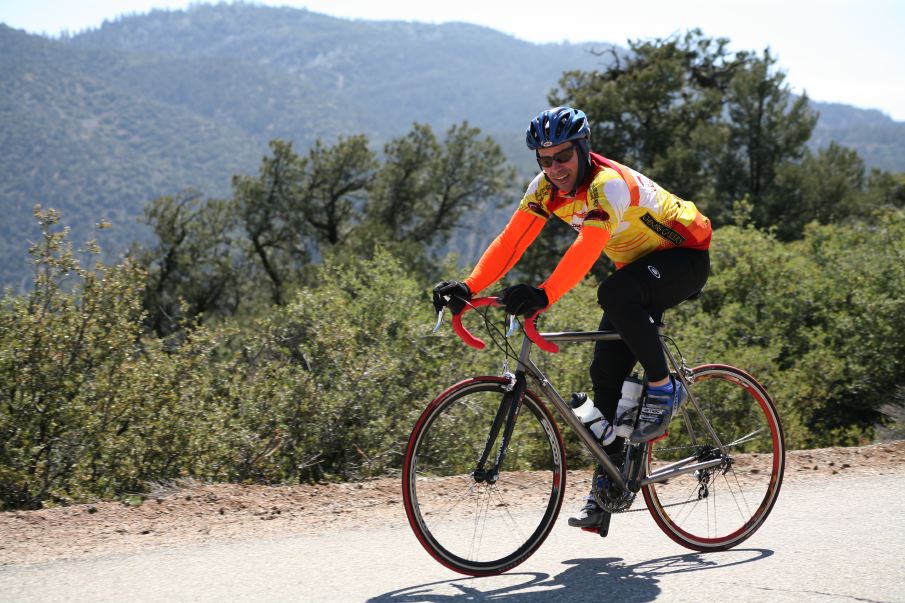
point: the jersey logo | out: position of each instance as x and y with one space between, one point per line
654 271
598 214
538 209
662 230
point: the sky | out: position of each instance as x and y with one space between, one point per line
845 51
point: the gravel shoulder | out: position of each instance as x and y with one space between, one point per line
194 512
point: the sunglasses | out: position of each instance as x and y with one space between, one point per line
561 157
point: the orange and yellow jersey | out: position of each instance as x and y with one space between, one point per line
640 216
619 212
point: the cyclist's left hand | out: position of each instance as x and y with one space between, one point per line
524 300
451 293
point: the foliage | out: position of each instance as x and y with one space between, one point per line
92 406
831 187
425 191
192 270
814 320
708 124
63 357
297 207
214 256
328 385
361 343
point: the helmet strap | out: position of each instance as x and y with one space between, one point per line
584 163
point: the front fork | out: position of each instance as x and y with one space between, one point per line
505 418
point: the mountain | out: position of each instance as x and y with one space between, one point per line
878 138
99 123
354 75
74 140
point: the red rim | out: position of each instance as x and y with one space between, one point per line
559 483
688 539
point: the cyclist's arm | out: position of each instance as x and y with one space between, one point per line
576 262
505 250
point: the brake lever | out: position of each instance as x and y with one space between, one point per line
513 325
439 320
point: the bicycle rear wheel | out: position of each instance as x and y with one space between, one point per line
717 508
471 525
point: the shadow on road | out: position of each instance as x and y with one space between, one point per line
583 580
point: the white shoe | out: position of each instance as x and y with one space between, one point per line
589 516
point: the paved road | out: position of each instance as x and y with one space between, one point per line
839 540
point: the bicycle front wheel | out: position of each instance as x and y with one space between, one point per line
473 525
716 508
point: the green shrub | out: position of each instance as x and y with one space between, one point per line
328 386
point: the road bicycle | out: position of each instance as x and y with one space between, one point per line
484 475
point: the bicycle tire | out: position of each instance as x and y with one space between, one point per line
715 510
476 528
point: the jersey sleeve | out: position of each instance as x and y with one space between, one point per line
576 262
503 253
537 197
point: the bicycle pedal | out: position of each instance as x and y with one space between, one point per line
603 528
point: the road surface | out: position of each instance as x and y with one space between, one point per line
841 539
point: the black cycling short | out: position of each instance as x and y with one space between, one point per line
633 298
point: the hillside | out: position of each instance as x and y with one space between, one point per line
73 140
879 139
99 123
374 76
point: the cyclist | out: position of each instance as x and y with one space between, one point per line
658 242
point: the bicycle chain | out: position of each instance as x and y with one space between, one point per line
661 506
676 504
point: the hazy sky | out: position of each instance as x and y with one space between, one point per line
847 51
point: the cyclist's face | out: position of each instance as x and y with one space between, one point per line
562 172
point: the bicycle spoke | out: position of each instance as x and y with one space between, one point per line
709 509
746 438
484 527
741 494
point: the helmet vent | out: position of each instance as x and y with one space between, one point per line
557 126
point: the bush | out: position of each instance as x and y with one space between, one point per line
63 357
326 387
329 385
815 320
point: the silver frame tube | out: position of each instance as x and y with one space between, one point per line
590 443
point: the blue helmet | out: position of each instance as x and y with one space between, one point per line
556 126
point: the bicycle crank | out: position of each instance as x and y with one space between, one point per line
610 499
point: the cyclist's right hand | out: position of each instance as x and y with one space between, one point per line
451 293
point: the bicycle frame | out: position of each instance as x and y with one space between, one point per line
508 409
687 465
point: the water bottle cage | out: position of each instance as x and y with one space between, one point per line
607 431
626 418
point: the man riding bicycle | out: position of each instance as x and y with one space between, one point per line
658 242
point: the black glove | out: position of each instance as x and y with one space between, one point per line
524 300
458 293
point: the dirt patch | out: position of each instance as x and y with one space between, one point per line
200 512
